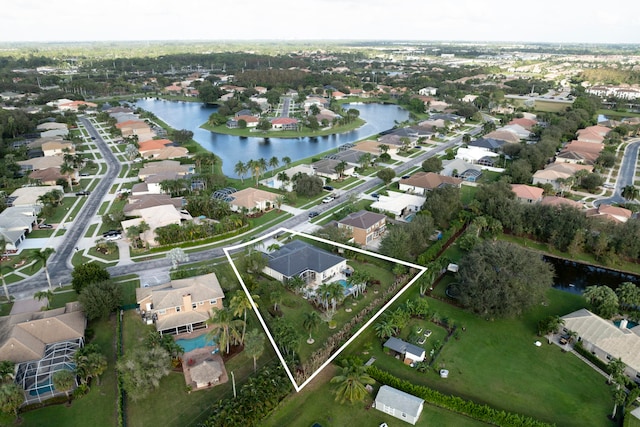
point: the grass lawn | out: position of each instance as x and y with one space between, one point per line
495 362
98 407
467 194
61 298
38 234
316 404
129 291
60 211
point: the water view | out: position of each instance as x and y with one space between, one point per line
190 115
575 277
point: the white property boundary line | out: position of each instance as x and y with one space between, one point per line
297 387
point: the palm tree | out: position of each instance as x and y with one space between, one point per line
262 164
7 371
323 293
351 383
68 170
310 322
224 328
630 192
3 248
276 298
385 328
340 168
63 380
284 178
336 294
274 162
48 295
43 256
384 148
287 161
364 160
254 346
239 305
241 169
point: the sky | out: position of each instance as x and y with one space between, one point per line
555 21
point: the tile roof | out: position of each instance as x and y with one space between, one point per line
527 192
430 180
362 219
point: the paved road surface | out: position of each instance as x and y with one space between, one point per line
626 174
60 264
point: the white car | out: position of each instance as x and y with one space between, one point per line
113 237
328 199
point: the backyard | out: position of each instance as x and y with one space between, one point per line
496 363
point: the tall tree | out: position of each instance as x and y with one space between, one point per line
177 257
274 162
43 256
11 398
602 300
224 328
254 345
100 299
48 295
64 380
239 306
310 322
85 274
500 279
142 369
241 169
630 192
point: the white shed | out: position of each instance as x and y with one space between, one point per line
399 404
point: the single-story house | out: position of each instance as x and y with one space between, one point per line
527 193
606 340
182 305
489 144
504 135
423 182
165 167
51 126
411 353
275 182
144 201
75 105
15 223
48 176
38 163
301 259
57 148
284 123
327 168
373 147
458 168
351 157
399 404
611 213
399 204
249 120
252 199
155 217
560 201
40 344
28 196
364 226
478 156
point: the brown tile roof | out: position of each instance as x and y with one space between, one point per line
430 180
527 192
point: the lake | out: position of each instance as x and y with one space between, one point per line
191 115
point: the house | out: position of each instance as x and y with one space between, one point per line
276 182
558 171
249 120
75 105
605 340
57 148
364 226
165 167
428 91
351 157
504 135
398 204
40 344
373 147
51 126
580 152
155 217
527 193
182 305
409 352
458 168
301 259
423 182
252 200
28 196
327 168
589 135
489 144
399 404
148 149
137 128
284 123
143 201
478 156
560 201
48 176
611 213
15 223
38 163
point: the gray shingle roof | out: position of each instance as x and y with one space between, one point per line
403 347
298 256
400 400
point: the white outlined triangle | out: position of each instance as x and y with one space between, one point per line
228 250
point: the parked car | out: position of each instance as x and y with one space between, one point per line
113 237
83 193
375 195
327 199
406 176
328 188
84 174
44 226
112 233
313 214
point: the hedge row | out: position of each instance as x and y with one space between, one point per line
120 391
434 250
456 404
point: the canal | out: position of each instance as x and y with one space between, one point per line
574 277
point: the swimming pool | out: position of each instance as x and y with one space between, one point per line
348 289
201 341
630 324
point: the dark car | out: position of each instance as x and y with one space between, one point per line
328 188
93 137
45 226
406 176
375 195
313 214
111 233
83 193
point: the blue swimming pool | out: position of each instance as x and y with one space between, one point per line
630 324
348 289
194 343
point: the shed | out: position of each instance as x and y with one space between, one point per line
412 353
399 404
206 373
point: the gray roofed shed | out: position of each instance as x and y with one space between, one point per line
399 404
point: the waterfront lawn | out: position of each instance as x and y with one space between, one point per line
316 404
496 363
98 407
304 132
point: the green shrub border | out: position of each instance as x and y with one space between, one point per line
456 404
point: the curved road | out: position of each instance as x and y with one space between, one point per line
60 262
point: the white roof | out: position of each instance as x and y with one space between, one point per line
395 202
399 400
602 333
28 196
474 153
